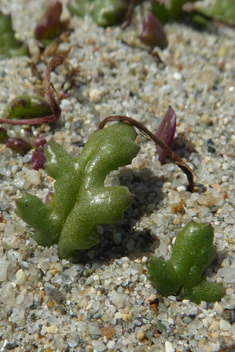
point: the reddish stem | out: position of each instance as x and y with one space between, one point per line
55 61
174 157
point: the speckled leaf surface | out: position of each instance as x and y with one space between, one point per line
81 201
181 275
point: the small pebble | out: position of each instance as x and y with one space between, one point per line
218 308
96 95
89 348
111 345
144 260
140 335
98 345
228 273
205 118
169 347
21 277
117 238
33 177
52 329
3 272
224 325
130 245
108 331
126 316
118 315
214 326
151 298
206 200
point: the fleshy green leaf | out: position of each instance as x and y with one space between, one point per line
181 275
81 201
222 10
104 12
8 43
26 107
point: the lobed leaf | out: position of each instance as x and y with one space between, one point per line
181 275
81 201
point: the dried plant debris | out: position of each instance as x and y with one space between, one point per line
8 44
51 25
181 275
104 12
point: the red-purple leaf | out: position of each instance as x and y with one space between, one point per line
38 142
166 132
153 33
38 160
18 144
51 26
174 157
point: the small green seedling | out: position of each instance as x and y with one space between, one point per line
27 107
81 201
168 10
8 43
181 275
104 12
223 10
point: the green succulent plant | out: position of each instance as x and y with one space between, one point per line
104 12
181 275
223 10
168 10
8 43
81 201
26 106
